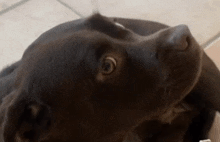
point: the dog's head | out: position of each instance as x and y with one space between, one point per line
92 79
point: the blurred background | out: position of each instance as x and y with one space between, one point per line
22 21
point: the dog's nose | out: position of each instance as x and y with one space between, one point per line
180 37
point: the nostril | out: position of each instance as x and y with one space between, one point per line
188 41
181 43
184 43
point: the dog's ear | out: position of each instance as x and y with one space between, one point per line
26 120
207 91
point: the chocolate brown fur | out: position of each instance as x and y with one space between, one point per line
158 90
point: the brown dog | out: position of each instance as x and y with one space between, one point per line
103 79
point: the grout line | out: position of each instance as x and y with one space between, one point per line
210 41
210 45
69 7
13 6
205 45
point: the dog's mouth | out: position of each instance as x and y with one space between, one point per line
170 114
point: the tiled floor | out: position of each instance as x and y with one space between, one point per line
22 21
22 25
6 4
213 51
202 16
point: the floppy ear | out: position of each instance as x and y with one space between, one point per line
207 91
26 120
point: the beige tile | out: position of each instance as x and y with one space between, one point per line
202 16
21 26
213 51
214 133
7 3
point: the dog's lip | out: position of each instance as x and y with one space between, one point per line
171 114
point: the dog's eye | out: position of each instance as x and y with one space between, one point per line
108 65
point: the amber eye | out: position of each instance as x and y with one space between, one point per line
108 65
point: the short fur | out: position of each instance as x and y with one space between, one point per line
164 88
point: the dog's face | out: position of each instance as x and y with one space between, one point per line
92 80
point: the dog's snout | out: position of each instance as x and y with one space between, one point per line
180 37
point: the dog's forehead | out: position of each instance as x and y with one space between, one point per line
106 25
59 52
96 22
